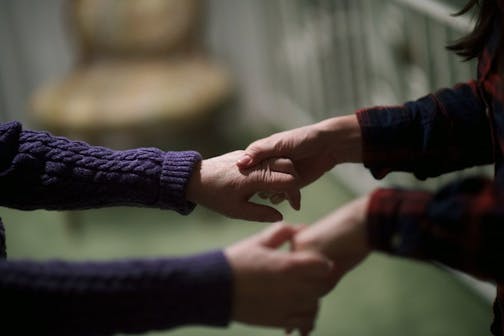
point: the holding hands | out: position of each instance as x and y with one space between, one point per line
220 185
341 236
274 287
313 149
283 289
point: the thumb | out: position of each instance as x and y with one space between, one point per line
276 235
257 152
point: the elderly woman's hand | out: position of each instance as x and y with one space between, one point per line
220 185
278 288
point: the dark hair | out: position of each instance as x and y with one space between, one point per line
471 45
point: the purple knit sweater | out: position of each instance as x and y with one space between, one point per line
38 170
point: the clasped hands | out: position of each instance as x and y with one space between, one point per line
272 286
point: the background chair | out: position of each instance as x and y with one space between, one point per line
141 75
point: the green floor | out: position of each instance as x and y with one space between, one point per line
384 296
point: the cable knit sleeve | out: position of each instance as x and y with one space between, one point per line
460 225
38 170
106 298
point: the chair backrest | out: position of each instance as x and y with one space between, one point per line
131 28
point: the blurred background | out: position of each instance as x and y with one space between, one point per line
214 75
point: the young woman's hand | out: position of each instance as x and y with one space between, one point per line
313 149
341 236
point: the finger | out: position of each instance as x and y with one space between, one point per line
259 213
312 265
332 281
282 165
245 161
259 151
264 194
293 194
280 187
292 241
274 182
300 227
294 198
322 284
276 235
277 198
305 332
304 322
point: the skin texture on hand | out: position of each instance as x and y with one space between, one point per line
341 236
278 288
313 149
217 183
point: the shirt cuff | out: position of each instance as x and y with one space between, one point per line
395 219
387 137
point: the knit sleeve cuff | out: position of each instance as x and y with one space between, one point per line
175 175
394 220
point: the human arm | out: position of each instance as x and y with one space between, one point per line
105 298
38 170
444 131
313 149
458 226
250 282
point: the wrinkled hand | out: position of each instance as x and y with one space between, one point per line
341 236
277 288
313 149
221 186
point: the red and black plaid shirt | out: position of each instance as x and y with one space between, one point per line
462 224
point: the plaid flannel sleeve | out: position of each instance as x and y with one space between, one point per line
461 226
441 132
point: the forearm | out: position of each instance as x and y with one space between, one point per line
459 226
343 134
105 298
441 132
42 171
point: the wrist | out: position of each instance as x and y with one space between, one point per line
342 235
195 184
343 136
